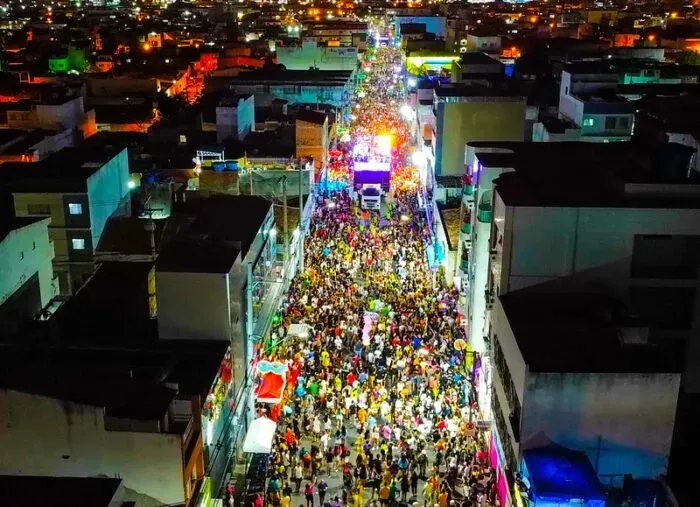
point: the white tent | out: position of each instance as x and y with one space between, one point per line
259 437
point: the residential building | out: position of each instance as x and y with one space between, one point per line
337 33
295 86
541 221
472 113
235 117
27 281
226 269
20 490
106 419
483 42
79 189
312 137
64 111
433 24
590 369
312 55
477 68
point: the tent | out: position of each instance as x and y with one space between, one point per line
559 476
259 437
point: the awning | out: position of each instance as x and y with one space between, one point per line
259 437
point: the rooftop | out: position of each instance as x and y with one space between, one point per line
473 90
22 490
625 174
309 116
582 330
474 58
223 227
64 171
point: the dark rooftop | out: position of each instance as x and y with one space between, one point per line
64 171
472 90
223 227
474 58
310 116
316 77
562 174
582 332
23 490
557 125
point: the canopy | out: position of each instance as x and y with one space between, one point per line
561 474
273 380
259 437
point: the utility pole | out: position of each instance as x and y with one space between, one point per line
250 176
301 222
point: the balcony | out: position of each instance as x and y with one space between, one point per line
484 214
464 265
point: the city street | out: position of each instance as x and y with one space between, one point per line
380 399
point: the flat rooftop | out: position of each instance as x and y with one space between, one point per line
593 174
582 332
473 90
223 227
22 490
315 77
64 171
475 58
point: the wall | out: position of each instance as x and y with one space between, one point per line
312 141
433 24
310 55
117 87
629 416
60 116
480 119
206 316
76 444
23 253
107 189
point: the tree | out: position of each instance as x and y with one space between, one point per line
688 58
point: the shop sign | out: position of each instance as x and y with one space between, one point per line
483 425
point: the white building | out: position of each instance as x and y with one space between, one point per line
27 282
584 369
310 55
563 210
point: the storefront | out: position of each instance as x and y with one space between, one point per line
497 460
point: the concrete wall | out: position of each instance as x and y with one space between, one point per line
193 306
107 188
554 242
624 422
312 141
60 116
23 253
310 55
76 444
480 119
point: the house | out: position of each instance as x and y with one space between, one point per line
79 189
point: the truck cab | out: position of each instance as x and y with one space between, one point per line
371 197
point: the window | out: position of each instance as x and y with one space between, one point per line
78 243
566 90
610 123
38 209
75 208
588 122
623 122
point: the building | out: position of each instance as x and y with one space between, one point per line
586 369
472 113
311 55
433 24
230 265
337 33
479 69
59 113
312 137
21 490
27 281
566 226
101 424
295 86
79 189
235 118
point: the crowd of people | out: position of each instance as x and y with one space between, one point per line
381 405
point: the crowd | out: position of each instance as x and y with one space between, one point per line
380 406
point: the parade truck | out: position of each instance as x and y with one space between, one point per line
371 181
